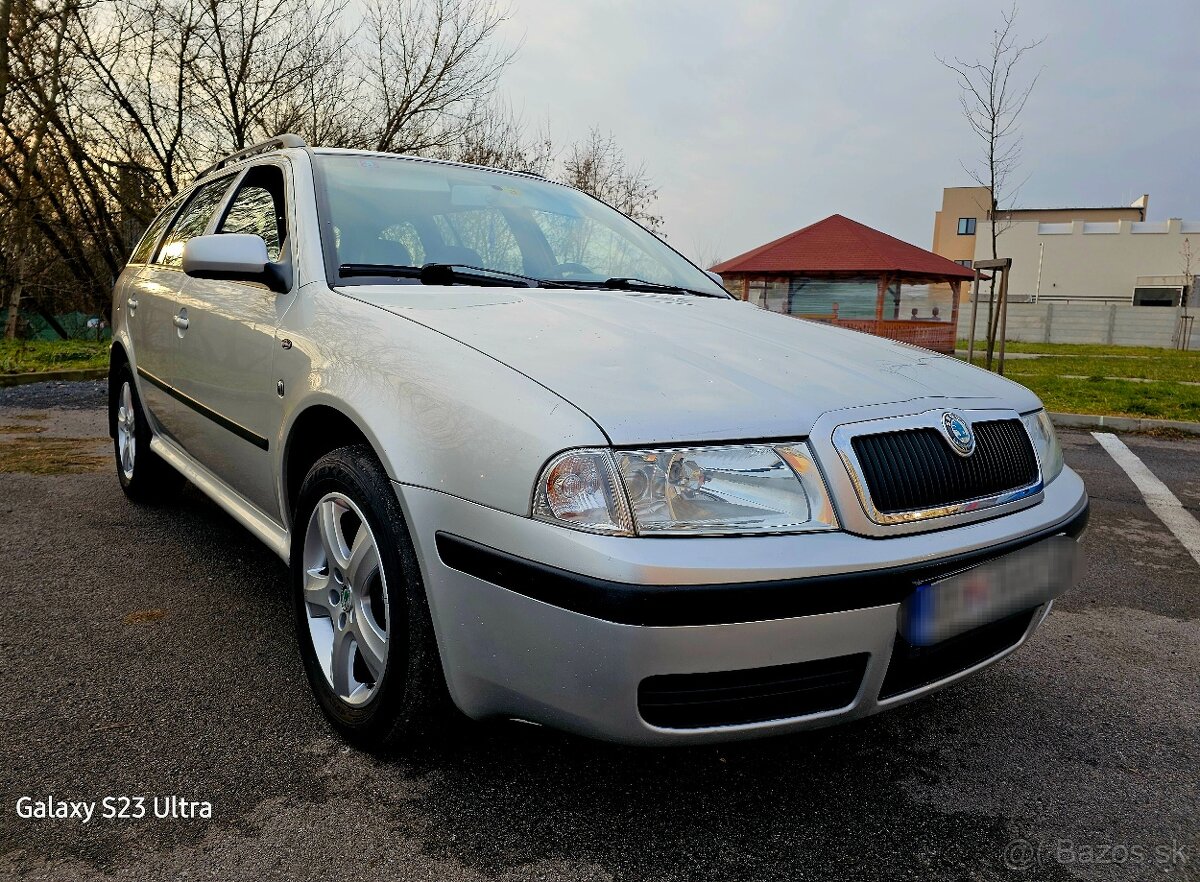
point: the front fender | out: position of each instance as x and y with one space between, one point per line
439 414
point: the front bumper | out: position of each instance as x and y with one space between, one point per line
559 627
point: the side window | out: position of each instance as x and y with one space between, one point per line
192 221
145 246
258 207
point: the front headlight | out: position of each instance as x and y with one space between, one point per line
1045 442
686 491
580 489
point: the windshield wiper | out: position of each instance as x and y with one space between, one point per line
449 273
622 283
446 274
379 269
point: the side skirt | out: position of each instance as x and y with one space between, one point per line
270 533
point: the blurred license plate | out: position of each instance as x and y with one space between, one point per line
1017 581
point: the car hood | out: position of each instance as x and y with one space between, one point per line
656 368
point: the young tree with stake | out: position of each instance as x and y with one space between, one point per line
992 97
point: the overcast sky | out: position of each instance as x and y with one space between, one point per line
757 118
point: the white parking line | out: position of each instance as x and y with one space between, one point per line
1158 496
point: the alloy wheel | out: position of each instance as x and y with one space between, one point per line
346 598
126 431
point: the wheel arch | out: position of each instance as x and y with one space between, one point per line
315 431
117 357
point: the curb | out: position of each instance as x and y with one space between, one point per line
52 376
1120 423
962 354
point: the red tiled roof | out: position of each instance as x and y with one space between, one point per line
838 244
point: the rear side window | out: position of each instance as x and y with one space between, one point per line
145 247
192 221
258 207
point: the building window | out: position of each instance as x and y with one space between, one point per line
966 226
965 263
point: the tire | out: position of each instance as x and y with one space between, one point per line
345 599
144 476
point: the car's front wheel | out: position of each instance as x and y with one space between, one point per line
361 615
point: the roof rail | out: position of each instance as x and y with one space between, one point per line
279 142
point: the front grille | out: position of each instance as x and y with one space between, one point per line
915 468
912 667
730 698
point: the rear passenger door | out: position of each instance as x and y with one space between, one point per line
226 356
152 300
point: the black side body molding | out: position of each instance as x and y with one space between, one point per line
223 421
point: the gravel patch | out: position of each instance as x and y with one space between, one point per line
83 395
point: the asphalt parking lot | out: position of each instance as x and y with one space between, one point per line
149 651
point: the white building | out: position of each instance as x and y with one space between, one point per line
1127 262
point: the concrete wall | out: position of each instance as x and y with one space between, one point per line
1083 323
1092 260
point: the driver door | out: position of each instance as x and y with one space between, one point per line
226 356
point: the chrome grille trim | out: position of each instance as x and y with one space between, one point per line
843 437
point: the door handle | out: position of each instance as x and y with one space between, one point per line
132 303
180 322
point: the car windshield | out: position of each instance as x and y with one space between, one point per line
393 213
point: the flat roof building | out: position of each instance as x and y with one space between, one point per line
967 211
1097 255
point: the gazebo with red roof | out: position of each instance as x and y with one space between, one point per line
846 273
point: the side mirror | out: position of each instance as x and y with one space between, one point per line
716 277
236 257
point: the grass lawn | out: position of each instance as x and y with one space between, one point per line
1086 379
27 356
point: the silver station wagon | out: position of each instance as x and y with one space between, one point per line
525 460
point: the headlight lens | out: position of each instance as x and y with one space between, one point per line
689 491
1045 441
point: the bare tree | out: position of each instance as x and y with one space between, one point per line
705 252
597 166
109 107
428 69
6 9
992 96
253 55
1183 327
498 137
1189 277
41 75
140 98
147 91
323 109
175 81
